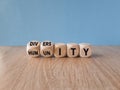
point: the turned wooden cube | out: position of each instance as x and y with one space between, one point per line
60 50
46 49
85 50
72 50
33 48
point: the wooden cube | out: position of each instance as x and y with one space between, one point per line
72 50
33 48
60 50
85 50
46 49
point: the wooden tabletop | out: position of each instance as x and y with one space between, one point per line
20 72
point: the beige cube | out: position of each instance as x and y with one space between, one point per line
60 50
85 50
33 48
72 50
46 49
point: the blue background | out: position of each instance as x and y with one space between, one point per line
92 21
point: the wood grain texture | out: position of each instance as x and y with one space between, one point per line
21 72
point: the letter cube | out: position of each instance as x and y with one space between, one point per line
60 50
72 50
33 48
46 49
85 50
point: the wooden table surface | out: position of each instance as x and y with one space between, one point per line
20 72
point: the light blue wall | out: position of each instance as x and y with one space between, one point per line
93 21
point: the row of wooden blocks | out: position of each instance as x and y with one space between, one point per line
48 49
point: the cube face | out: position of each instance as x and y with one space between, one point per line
72 50
60 50
85 50
46 49
33 44
33 52
33 48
